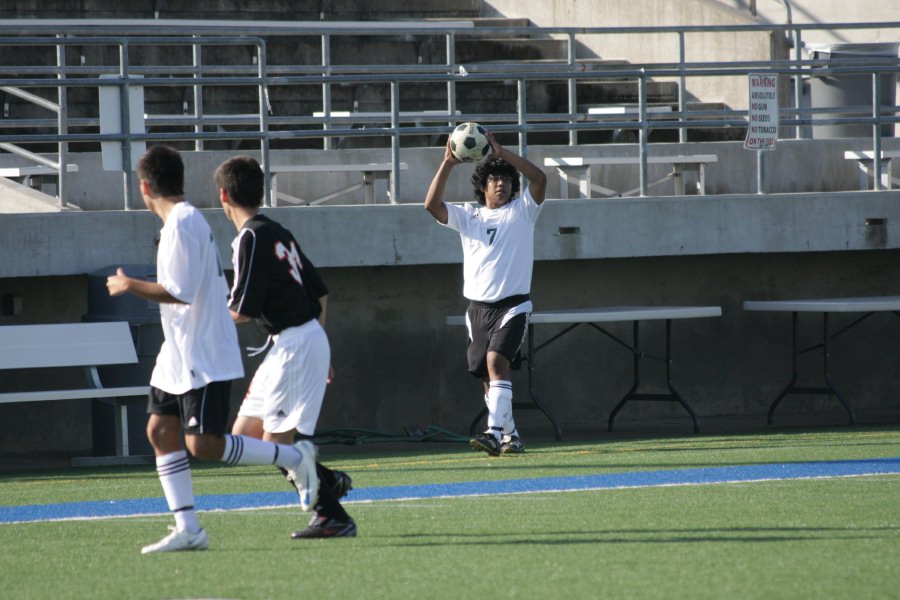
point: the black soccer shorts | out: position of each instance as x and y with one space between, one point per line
202 411
499 327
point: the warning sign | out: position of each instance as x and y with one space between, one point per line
762 128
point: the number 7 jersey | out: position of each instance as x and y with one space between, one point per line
498 247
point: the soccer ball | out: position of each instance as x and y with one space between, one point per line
469 143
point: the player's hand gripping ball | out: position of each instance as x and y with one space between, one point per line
469 143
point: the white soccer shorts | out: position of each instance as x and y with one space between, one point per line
288 387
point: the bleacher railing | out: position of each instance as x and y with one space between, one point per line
38 83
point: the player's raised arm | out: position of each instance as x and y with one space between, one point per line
434 200
537 179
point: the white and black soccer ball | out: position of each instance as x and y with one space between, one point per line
469 143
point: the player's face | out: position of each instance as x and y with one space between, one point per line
497 190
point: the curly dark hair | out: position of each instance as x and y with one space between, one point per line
493 166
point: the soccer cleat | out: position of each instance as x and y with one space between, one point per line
303 474
512 445
342 484
321 526
179 541
485 442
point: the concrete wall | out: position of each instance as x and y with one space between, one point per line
398 364
830 11
70 243
659 48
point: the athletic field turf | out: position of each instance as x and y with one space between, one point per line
782 514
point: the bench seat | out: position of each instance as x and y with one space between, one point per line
86 345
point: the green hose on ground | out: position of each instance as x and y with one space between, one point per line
355 437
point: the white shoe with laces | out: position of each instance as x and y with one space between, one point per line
178 541
303 474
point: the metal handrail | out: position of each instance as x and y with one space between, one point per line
264 76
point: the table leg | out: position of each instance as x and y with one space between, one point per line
633 394
795 361
826 363
121 428
678 179
867 171
792 388
563 183
535 399
864 169
584 183
672 389
369 186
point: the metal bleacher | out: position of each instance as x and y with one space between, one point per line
220 84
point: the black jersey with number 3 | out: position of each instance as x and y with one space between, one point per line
273 280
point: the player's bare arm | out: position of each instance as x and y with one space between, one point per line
537 179
238 317
434 201
120 283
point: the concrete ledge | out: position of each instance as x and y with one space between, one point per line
391 235
18 198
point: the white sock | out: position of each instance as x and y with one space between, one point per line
509 428
246 450
174 470
499 402
509 432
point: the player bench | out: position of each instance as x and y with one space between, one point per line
27 173
578 169
16 172
865 160
370 172
87 345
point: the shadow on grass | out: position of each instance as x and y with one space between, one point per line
650 536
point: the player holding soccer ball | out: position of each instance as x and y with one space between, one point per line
498 254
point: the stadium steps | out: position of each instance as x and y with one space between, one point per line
532 51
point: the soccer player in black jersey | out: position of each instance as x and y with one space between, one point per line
276 283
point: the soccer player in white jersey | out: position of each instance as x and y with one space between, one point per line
498 254
276 284
191 381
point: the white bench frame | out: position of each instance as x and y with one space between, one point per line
578 168
370 172
88 345
866 161
26 173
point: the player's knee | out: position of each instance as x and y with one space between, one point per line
204 447
160 431
498 366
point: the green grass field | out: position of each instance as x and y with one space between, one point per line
816 538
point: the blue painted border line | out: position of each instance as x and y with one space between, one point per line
672 477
